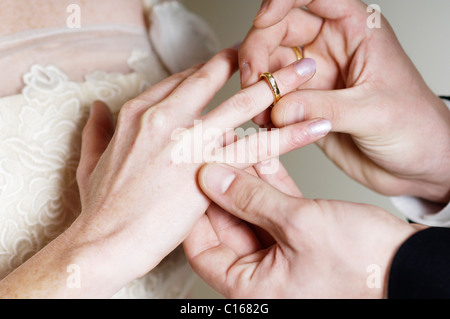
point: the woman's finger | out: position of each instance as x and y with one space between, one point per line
249 102
265 145
96 136
196 91
282 57
158 92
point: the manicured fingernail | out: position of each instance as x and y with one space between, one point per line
305 67
245 73
319 128
293 113
262 9
218 178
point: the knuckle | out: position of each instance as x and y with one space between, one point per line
201 77
288 81
298 136
132 105
242 102
333 114
328 110
154 117
301 222
252 149
250 200
259 147
176 78
331 111
129 111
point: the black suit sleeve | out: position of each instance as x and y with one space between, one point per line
421 266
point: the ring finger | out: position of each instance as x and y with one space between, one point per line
249 102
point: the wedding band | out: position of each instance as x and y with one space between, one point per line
298 53
273 85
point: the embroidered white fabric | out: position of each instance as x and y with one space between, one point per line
40 138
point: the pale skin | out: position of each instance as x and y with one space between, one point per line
320 248
101 236
137 203
390 131
317 248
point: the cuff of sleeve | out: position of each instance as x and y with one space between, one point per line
421 266
423 212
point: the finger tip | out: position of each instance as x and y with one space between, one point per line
98 102
306 67
216 178
277 116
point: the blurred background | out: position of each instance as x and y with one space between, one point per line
422 27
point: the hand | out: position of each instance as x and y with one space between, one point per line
391 132
321 249
139 198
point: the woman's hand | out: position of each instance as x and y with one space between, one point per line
137 179
319 248
391 132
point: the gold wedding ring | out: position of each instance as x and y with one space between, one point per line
273 85
298 53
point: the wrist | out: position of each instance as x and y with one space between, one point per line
62 269
118 260
100 260
432 183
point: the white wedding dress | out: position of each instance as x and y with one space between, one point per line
40 129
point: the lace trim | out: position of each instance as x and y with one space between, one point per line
40 137
40 134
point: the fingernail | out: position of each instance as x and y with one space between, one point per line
262 9
305 67
245 73
319 128
218 178
293 113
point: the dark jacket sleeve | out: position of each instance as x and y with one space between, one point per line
421 266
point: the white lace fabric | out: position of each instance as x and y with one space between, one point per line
102 47
40 139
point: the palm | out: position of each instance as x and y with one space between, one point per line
350 58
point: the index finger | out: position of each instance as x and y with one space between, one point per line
251 101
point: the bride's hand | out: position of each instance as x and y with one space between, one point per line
139 195
138 201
